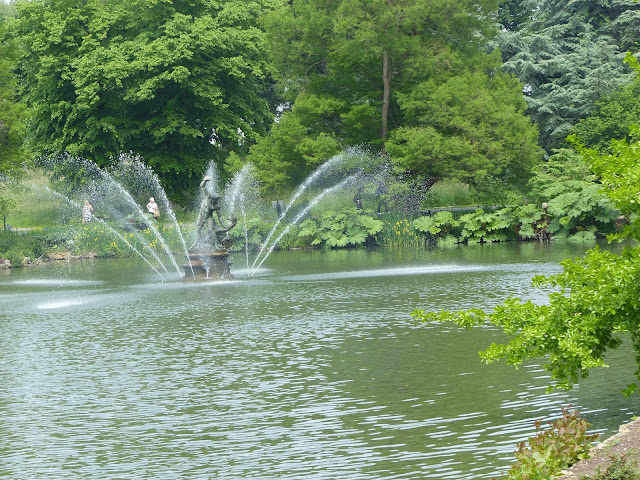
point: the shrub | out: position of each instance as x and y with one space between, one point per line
257 231
486 226
349 227
14 246
553 450
441 226
573 196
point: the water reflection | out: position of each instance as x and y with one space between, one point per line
313 369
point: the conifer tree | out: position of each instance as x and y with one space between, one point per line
568 56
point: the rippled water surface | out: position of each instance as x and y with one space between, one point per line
312 369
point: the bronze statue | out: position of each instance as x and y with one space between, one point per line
215 235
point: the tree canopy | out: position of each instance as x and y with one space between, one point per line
408 77
12 111
611 117
568 55
468 125
178 82
13 156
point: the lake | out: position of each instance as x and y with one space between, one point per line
311 369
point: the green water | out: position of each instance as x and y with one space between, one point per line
311 369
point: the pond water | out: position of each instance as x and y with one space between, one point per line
312 369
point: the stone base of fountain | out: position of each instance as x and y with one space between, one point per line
207 265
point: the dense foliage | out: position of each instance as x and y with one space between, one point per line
552 450
12 115
611 117
179 83
408 77
568 55
339 229
566 202
593 301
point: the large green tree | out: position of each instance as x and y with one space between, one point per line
468 125
178 82
13 157
568 55
355 71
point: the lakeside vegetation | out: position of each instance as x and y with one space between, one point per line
526 107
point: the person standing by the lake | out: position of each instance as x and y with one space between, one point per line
152 208
86 212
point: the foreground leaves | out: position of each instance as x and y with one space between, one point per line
552 450
576 328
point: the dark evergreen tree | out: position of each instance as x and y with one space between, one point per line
568 56
514 14
611 118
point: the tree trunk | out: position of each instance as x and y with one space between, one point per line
387 68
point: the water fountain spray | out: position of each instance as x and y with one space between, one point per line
301 215
140 167
332 162
111 229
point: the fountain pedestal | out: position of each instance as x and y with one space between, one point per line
207 265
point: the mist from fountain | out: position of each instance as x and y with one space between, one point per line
112 230
240 197
242 194
127 161
142 215
115 198
301 215
310 180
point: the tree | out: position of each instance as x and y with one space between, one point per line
597 296
514 14
467 124
568 56
13 157
279 156
389 36
355 71
177 82
610 118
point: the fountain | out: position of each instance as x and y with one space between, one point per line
208 256
120 190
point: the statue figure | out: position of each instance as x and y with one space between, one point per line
215 235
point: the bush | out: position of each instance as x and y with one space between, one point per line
349 227
440 226
552 450
574 198
15 246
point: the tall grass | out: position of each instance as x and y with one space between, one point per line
449 193
34 205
